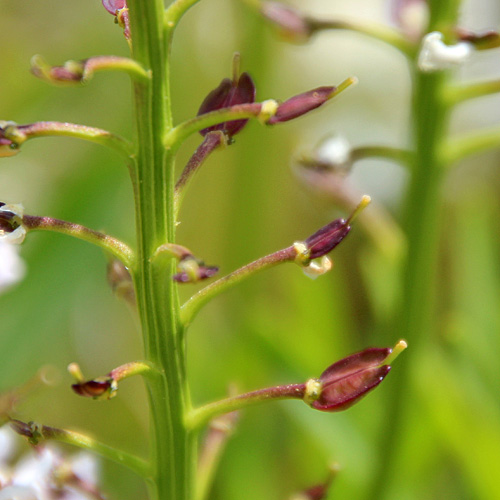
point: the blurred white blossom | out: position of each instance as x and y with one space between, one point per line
45 473
12 267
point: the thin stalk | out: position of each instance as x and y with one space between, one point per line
191 307
421 225
220 430
63 129
466 145
112 245
171 443
199 417
375 31
36 433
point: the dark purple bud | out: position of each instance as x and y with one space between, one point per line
9 221
347 381
113 5
481 41
327 238
301 104
229 93
291 23
95 389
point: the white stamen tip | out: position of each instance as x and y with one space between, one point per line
435 55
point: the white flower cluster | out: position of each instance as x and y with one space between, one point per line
45 473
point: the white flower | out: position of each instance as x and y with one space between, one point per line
435 55
12 267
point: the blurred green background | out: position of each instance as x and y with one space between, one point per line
279 327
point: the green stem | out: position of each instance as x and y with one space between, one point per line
219 432
176 136
35 432
197 418
211 142
176 10
92 134
112 245
78 72
422 226
456 94
401 156
458 148
375 31
199 299
171 443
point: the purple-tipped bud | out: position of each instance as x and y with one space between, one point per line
481 41
194 272
96 389
291 23
347 381
229 93
113 5
119 9
301 104
70 72
327 238
30 430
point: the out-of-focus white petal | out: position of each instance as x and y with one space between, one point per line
8 438
435 55
12 267
19 493
334 150
86 467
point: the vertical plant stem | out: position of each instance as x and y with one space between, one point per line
422 218
156 296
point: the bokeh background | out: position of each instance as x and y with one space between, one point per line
279 327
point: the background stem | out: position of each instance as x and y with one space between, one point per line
421 224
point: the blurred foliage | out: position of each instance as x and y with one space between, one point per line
279 327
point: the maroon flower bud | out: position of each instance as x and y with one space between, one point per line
119 9
347 381
481 41
291 23
301 104
95 389
239 90
328 237
113 5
